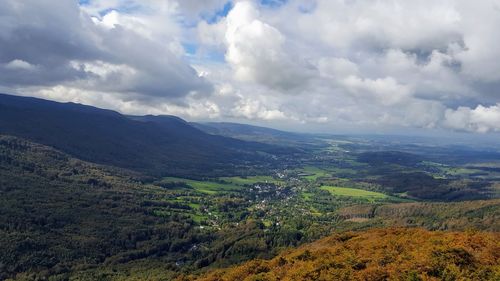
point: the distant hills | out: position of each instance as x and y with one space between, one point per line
154 144
257 133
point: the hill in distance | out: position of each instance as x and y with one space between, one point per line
151 144
256 133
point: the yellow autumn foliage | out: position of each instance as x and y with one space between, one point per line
379 254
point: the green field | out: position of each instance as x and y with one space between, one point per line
354 192
250 180
446 171
307 195
231 183
208 187
314 172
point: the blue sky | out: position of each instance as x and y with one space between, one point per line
219 13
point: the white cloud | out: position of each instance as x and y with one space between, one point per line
481 36
366 25
254 109
481 119
330 63
19 64
386 91
191 108
143 41
212 35
256 51
337 67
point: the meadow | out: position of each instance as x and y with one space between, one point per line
355 192
251 180
313 173
207 187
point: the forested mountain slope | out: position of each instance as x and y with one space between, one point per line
478 214
60 215
171 146
379 254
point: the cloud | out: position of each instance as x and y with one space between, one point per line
374 26
331 67
19 64
322 64
192 107
477 58
256 51
481 119
118 52
193 8
387 91
254 109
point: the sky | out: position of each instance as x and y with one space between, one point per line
372 66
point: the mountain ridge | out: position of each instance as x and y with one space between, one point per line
162 144
258 133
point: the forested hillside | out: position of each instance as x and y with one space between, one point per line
59 214
154 145
479 214
379 254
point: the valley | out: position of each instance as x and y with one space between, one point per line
249 140
198 206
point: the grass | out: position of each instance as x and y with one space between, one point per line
250 180
194 213
314 172
232 183
207 187
458 171
267 223
355 192
307 195
194 206
450 171
198 218
345 171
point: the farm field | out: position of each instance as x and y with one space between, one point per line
355 192
207 187
226 184
250 180
313 173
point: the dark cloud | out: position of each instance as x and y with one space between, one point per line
58 43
